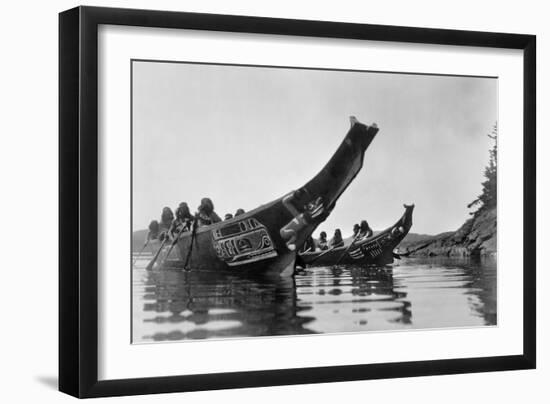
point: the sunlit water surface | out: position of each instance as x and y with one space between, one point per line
174 305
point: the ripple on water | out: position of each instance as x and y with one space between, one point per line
178 305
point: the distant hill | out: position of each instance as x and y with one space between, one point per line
415 239
138 239
477 236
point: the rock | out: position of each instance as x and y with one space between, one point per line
477 236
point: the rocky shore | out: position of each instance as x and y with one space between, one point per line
476 237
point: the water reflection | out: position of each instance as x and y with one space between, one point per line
175 305
178 305
344 299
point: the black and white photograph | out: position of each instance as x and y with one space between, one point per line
272 201
275 202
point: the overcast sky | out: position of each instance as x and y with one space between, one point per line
244 136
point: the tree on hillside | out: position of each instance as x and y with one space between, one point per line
488 197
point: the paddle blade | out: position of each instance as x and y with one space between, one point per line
151 264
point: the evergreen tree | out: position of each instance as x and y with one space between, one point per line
488 197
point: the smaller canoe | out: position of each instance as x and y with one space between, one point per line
375 250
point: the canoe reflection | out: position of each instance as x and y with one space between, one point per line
197 305
178 305
346 298
416 293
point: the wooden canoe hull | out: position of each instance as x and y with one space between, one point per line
376 250
252 242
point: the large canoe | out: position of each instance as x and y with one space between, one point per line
375 250
257 241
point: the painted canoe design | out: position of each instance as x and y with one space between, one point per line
243 242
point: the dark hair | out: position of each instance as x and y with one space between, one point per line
207 206
154 226
228 216
239 212
182 212
364 225
337 236
323 234
167 215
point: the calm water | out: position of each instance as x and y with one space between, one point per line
414 293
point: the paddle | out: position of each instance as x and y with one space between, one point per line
193 232
152 263
347 249
173 244
140 252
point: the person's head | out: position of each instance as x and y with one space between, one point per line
239 212
364 226
228 216
206 206
337 233
182 212
154 226
323 235
167 215
356 228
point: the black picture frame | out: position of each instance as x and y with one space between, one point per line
78 200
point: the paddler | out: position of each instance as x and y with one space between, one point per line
365 230
154 230
183 220
206 215
337 240
323 242
356 229
166 219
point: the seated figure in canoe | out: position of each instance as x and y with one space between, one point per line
322 243
206 214
337 240
168 225
154 231
166 219
356 229
364 230
182 222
